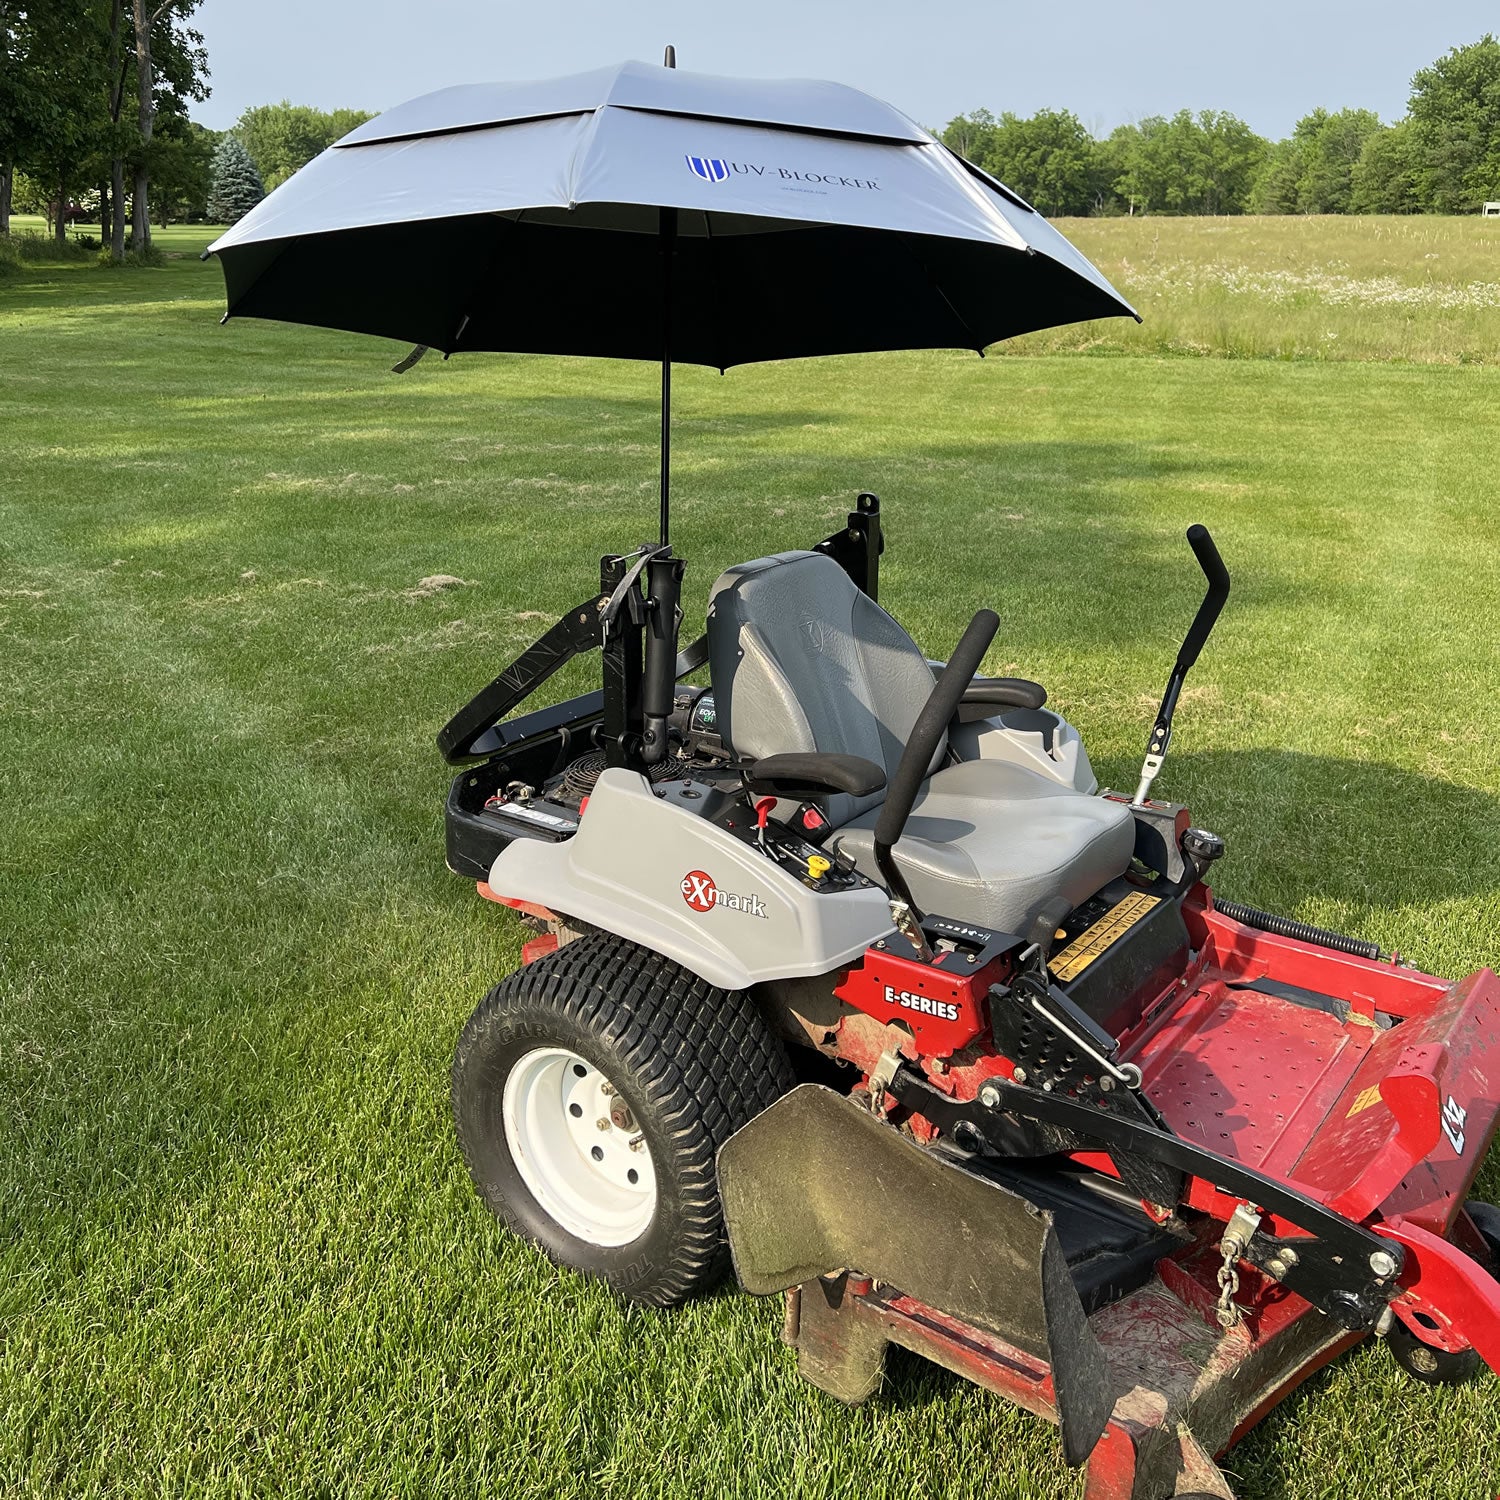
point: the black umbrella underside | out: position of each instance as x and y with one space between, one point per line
489 283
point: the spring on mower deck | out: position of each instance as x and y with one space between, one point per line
1290 927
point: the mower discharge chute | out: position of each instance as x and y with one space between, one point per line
1138 1160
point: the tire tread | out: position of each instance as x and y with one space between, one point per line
704 1055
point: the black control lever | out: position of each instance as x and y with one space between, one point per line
916 760
1203 622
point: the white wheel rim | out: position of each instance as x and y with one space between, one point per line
575 1157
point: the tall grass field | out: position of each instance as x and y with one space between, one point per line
239 1254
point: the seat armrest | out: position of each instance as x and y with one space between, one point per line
1003 692
814 774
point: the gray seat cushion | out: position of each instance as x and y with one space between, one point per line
989 842
802 660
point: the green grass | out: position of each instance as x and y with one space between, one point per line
238 1253
1337 287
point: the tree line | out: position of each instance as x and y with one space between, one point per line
96 93
94 121
1442 157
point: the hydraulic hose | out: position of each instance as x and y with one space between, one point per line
1289 927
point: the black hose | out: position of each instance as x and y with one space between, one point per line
1290 927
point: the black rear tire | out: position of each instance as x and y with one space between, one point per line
692 1062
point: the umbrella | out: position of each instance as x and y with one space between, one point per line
640 212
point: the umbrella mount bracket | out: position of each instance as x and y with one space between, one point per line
466 736
856 548
624 664
636 619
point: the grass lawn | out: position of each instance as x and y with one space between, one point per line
1336 287
239 1255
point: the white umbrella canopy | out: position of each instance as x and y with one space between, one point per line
809 218
638 212
645 213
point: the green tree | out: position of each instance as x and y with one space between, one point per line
1114 156
1203 164
1331 146
28 196
1455 117
181 174
1384 180
970 135
236 185
1274 190
51 79
283 138
1050 159
171 68
1312 172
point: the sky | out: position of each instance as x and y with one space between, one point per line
1268 62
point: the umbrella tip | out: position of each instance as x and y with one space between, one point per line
670 60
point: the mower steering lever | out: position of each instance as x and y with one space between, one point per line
1198 632
921 745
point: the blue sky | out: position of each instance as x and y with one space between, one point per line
1269 62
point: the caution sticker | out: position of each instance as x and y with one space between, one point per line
1090 943
1367 1099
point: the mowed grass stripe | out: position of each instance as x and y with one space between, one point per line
240 1255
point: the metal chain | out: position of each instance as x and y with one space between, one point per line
1238 1233
1229 1312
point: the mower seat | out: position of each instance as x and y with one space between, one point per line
803 660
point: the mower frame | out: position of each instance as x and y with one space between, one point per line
1263 1241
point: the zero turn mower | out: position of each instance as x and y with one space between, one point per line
1138 1159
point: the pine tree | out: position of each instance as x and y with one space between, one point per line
236 184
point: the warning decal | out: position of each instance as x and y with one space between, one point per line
1090 943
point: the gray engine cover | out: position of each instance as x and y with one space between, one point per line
650 870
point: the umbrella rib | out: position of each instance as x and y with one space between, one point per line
479 278
976 343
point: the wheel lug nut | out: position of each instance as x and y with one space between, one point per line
606 1088
637 1143
603 1123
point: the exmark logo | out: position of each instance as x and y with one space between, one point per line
700 892
1455 1117
719 169
924 1005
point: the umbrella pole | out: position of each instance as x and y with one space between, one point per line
668 250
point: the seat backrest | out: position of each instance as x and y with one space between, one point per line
802 660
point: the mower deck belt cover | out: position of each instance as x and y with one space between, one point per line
877 1201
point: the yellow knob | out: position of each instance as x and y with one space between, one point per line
817 866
